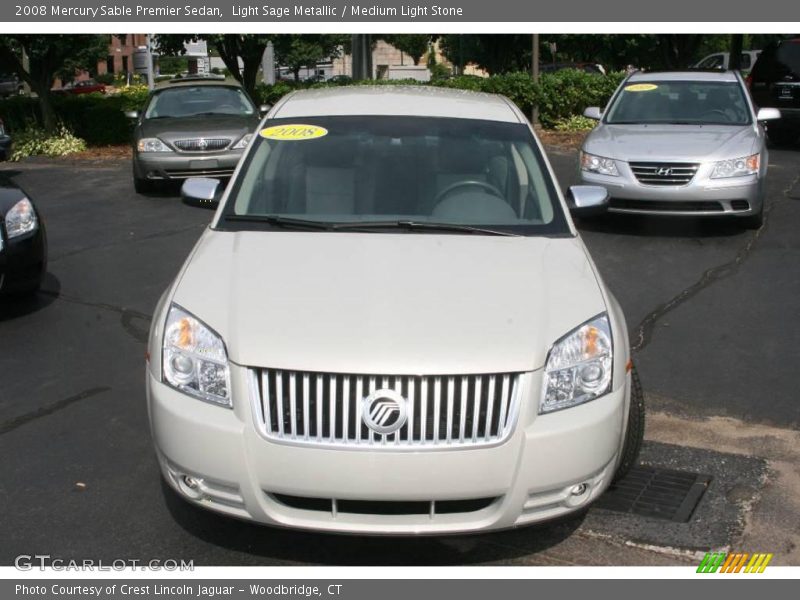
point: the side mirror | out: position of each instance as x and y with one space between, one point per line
768 114
593 112
587 200
264 109
132 114
201 192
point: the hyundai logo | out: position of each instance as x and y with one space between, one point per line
663 171
384 411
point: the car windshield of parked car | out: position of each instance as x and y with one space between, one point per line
192 101
387 169
680 102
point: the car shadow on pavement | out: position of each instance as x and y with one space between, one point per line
15 306
663 226
281 546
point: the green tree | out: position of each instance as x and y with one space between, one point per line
230 46
496 53
414 44
48 57
299 51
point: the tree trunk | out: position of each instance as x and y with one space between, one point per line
735 62
296 72
251 64
49 119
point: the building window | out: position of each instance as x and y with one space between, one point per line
110 64
124 64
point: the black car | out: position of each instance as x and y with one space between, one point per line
23 242
775 83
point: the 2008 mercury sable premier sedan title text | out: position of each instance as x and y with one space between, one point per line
392 326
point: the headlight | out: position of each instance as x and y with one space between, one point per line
194 359
598 164
737 167
152 145
20 219
578 367
242 143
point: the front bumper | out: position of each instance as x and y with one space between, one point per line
529 478
23 261
702 196
164 166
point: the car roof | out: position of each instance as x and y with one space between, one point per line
686 75
194 82
396 100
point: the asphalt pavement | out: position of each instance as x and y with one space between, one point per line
711 310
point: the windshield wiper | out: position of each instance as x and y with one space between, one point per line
285 222
418 225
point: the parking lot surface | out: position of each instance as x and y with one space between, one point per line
711 310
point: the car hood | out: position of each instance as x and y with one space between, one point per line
389 303
211 126
671 142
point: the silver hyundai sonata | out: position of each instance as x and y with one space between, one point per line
680 143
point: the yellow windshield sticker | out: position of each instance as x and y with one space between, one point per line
641 87
293 132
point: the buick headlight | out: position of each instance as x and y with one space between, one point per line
194 359
598 164
152 145
242 143
579 366
21 219
737 167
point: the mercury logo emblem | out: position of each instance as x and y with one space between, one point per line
203 144
384 411
664 171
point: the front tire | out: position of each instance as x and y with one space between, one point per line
634 436
142 186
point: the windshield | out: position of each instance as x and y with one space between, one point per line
379 169
190 101
684 102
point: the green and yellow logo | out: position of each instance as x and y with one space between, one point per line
734 562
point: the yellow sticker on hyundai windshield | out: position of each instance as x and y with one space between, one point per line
293 132
641 87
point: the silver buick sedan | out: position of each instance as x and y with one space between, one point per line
680 143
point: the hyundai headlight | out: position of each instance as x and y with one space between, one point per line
194 359
242 143
737 167
598 164
152 145
21 219
579 366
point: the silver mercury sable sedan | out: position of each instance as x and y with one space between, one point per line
680 143
391 326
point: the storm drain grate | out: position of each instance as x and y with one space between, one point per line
658 493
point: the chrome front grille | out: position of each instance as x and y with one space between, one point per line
328 409
202 144
658 173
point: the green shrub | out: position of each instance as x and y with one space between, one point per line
33 141
566 93
574 123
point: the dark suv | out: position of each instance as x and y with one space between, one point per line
775 82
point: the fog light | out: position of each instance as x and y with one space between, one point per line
579 490
190 482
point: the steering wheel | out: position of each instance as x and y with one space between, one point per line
715 111
466 183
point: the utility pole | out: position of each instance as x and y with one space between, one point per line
535 74
150 78
735 58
